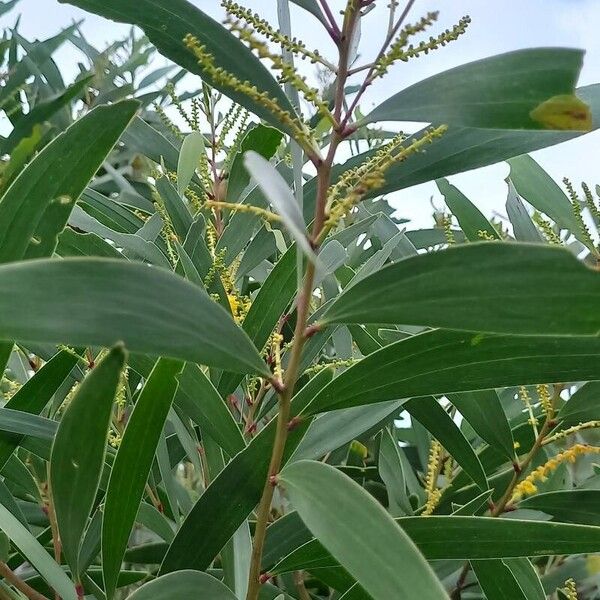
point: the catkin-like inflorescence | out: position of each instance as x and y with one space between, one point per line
527 487
400 50
260 25
224 78
356 183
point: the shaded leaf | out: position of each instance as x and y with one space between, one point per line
495 287
151 310
32 193
131 467
183 584
359 549
79 449
442 362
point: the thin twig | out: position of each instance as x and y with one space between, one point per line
19 584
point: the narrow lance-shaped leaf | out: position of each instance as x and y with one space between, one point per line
439 423
524 228
491 287
497 580
567 506
541 191
527 89
73 163
35 395
166 26
211 523
100 302
470 218
582 406
36 555
483 411
441 362
460 149
132 465
467 538
357 530
79 449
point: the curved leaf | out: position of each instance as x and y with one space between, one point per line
492 287
567 506
35 554
101 301
79 449
441 362
335 517
439 423
73 163
483 411
183 584
498 92
132 465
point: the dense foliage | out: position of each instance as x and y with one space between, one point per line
229 371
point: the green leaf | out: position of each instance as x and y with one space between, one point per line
259 138
582 406
330 432
79 449
467 538
35 554
42 112
497 580
192 149
527 577
183 584
567 506
179 213
312 7
491 286
166 26
143 138
151 310
37 392
460 149
201 402
484 413
22 423
131 467
470 218
74 163
442 362
524 228
336 518
541 191
438 422
475 505
498 92
391 471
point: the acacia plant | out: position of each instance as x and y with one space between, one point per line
229 373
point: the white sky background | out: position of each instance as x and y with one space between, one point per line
497 26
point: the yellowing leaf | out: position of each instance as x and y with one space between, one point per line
565 112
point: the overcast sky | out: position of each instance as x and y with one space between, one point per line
496 27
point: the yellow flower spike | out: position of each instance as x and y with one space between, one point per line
434 495
527 487
570 589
